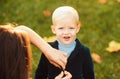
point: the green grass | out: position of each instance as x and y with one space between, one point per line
100 25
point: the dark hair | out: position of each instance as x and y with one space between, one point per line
15 53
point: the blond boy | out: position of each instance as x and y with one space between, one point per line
65 26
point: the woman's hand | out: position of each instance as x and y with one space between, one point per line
55 57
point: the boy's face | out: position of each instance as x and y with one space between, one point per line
66 29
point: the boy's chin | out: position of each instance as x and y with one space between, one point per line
66 43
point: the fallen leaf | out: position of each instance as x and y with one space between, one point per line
50 39
96 58
47 13
113 47
102 1
118 1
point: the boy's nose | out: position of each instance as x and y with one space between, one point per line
66 31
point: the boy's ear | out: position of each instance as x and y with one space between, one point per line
53 29
78 27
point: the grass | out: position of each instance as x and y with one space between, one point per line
100 25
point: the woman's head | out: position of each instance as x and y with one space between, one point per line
15 53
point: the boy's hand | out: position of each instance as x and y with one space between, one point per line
67 75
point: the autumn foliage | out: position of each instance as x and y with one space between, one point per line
100 20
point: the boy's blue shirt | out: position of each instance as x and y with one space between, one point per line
66 48
79 64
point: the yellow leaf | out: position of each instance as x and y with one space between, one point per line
113 47
102 1
96 58
50 39
118 1
47 13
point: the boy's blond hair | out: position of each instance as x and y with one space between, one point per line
63 11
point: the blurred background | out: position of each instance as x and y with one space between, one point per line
100 20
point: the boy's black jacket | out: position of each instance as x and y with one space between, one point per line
79 64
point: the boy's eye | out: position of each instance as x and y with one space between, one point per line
60 28
72 28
